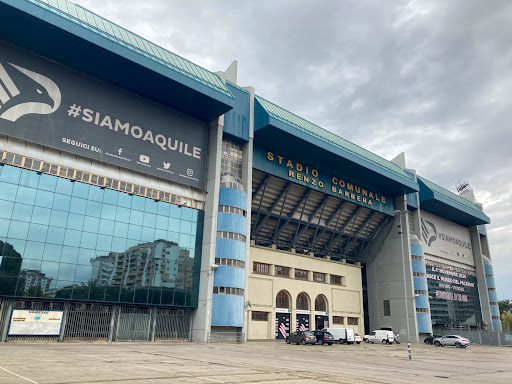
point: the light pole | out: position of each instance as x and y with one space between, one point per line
401 232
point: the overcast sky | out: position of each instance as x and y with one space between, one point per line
432 79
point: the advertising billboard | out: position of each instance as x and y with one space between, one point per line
445 239
453 297
35 323
46 103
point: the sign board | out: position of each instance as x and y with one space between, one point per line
45 103
26 322
453 296
321 178
283 310
445 239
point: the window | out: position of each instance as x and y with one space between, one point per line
259 316
352 320
261 268
302 301
230 235
283 300
231 165
319 277
337 320
422 310
230 262
337 280
387 308
418 274
228 291
282 271
419 292
229 209
416 257
320 303
301 274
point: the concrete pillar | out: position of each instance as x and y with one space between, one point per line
247 181
202 317
480 276
385 277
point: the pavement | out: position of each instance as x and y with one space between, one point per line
252 362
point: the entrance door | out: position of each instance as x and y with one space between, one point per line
302 322
282 325
321 322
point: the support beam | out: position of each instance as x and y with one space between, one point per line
342 229
290 215
320 205
284 192
329 221
358 232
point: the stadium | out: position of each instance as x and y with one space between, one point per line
147 198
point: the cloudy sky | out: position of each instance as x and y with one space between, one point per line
431 78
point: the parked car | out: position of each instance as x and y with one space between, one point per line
301 337
323 337
357 338
380 336
343 335
456 340
397 338
430 339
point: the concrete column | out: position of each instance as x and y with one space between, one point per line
201 325
480 276
385 277
247 180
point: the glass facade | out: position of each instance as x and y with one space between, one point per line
70 240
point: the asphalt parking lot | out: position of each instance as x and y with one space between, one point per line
253 362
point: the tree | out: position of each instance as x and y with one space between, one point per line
506 322
505 306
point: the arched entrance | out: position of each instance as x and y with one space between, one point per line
283 309
302 312
321 314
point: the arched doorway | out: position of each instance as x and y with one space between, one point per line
283 309
321 314
302 312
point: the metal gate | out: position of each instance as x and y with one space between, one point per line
86 321
172 324
133 324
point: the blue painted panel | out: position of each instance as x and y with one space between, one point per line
230 249
412 200
227 310
416 249
493 297
482 229
229 277
495 310
236 121
233 198
424 323
420 283
232 222
488 269
491 283
422 301
419 266
496 325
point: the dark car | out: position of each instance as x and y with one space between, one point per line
301 337
430 339
323 337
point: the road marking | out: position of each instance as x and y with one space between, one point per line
15 374
181 373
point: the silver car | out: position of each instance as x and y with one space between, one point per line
454 340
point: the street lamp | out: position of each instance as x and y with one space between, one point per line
401 232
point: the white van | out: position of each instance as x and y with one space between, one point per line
343 335
380 336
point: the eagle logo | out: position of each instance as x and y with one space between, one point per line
428 231
42 98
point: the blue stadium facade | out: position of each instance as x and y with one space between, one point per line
155 244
